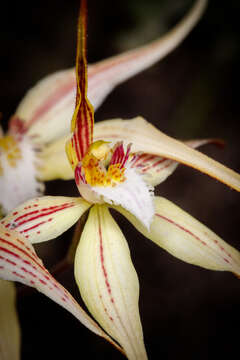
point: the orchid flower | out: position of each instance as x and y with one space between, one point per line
30 153
115 166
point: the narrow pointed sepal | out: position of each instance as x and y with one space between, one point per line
156 169
148 139
108 282
9 324
19 262
45 218
83 117
186 238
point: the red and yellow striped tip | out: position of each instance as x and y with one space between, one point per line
83 117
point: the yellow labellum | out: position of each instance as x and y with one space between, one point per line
95 167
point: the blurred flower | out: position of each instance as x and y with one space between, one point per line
9 326
118 169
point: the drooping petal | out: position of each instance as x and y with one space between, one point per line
19 262
108 282
45 218
186 238
48 106
148 139
156 169
9 325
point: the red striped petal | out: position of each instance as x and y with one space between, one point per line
45 218
156 169
19 262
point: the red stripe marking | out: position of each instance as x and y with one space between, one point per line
28 272
40 213
195 236
51 280
18 275
11 262
102 259
27 247
21 251
52 100
55 208
121 60
32 227
181 227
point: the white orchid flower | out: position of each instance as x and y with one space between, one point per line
116 166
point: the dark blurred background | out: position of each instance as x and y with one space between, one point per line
187 312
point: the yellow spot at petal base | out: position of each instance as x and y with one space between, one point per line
9 147
96 169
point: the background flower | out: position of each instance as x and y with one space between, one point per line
198 81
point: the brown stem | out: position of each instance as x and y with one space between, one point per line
69 258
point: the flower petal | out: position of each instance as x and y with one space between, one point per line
108 282
156 169
148 139
18 172
9 325
45 218
133 194
186 238
49 105
19 262
54 153
51 156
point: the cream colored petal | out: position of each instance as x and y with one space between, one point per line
108 282
45 218
156 169
48 107
186 238
9 325
148 139
55 164
18 172
19 262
